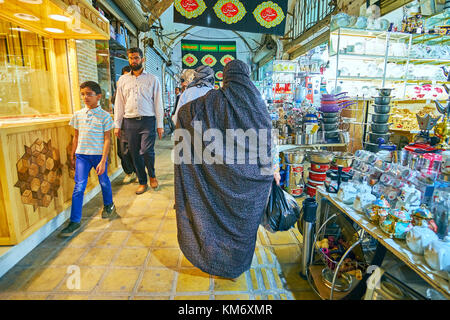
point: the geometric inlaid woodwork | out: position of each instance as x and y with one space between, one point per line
39 172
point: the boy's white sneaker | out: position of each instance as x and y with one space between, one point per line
129 177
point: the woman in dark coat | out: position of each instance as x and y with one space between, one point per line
220 203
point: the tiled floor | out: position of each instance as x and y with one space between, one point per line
137 256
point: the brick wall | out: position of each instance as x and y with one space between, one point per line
87 61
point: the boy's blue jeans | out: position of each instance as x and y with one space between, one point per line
84 163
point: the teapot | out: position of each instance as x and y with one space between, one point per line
418 238
437 255
347 193
409 198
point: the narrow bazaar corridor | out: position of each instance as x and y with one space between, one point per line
137 256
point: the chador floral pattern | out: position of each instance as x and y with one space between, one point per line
269 14
226 58
190 8
209 60
190 60
229 11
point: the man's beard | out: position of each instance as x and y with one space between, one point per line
136 67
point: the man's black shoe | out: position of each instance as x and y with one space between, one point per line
109 212
71 228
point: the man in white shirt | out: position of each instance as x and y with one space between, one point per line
139 110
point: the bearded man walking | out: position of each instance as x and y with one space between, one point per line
139 111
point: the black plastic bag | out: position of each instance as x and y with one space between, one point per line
282 211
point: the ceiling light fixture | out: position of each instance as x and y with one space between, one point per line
19 29
59 17
54 30
31 1
25 16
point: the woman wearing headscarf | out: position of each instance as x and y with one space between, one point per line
203 82
219 206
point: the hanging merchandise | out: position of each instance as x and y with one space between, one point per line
268 17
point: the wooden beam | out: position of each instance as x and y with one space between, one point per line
294 44
310 45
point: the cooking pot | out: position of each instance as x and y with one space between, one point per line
384 109
332 96
343 159
332 134
380 118
330 114
382 100
330 120
336 107
372 147
315 184
322 157
319 167
380 127
317 176
310 190
385 92
330 126
373 137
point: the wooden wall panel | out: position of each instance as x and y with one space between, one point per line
26 205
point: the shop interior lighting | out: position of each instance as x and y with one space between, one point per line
31 1
19 29
54 30
25 16
81 30
59 17
103 54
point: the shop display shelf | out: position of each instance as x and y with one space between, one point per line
286 147
370 33
397 247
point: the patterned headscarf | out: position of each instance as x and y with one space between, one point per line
204 77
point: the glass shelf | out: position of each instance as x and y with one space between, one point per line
370 33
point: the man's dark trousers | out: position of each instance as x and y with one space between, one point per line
141 135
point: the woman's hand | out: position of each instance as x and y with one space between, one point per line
277 177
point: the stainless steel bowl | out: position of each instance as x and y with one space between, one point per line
380 127
322 157
382 100
380 118
344 159
294 156
383 109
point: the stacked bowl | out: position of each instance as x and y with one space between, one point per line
379 126
330 107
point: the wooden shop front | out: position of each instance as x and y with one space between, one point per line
40 73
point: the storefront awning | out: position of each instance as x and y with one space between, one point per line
59 19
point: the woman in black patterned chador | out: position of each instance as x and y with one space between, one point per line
219 206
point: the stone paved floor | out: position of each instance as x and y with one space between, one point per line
137 256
